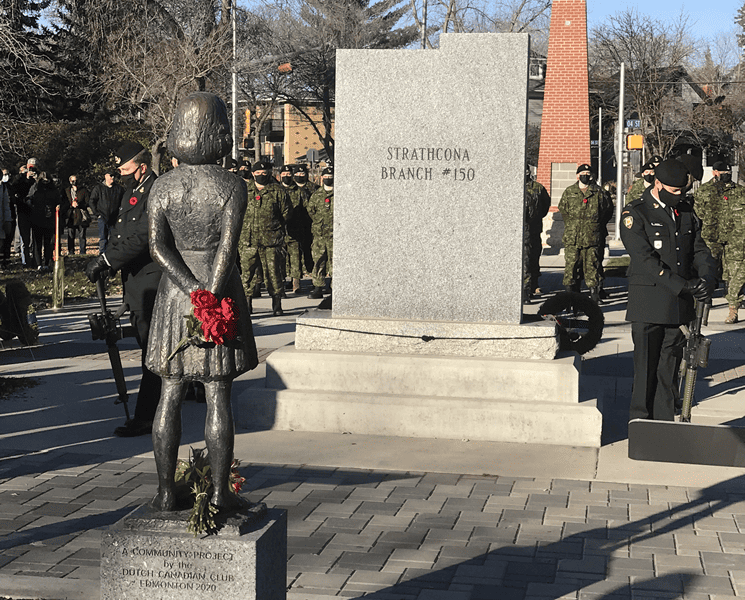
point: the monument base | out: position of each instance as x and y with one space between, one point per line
147 556
453 397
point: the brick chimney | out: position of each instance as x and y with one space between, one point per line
565 123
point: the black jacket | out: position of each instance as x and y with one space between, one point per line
128 250
105 202
664 255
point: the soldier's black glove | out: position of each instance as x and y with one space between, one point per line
96 267
701 289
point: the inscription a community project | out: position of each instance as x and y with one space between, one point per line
426 163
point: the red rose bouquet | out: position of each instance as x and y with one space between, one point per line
211 322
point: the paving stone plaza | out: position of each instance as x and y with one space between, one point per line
383 518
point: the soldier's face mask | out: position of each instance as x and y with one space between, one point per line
669 198
301 178
649 177
725 177
585 179
287 179
261 177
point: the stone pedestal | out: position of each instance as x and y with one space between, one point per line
427 336
146 556
368 376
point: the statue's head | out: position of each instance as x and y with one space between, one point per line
201 130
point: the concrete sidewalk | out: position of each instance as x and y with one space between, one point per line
385 518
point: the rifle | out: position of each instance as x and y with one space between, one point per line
695 355
106 326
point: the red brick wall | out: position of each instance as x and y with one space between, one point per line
565 124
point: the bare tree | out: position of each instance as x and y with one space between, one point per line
654 53
481 16
151 53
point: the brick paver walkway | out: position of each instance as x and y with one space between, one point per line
411 536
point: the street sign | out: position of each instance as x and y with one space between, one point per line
633 123
593 142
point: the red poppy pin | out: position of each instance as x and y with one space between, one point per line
328 200
133 200
258 198
726 198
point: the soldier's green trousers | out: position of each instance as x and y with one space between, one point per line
323 256
294 266
270 260
736 272
585 259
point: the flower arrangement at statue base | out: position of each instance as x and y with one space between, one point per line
211 322
195 475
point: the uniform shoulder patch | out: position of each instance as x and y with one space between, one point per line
628 221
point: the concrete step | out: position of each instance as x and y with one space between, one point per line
553 381
420 416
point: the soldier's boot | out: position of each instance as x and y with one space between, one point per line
277 306
732 316
295 285
595 295
256 291
250 305
317 293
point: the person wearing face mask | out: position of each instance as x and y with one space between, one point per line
305 189
7 222
321 211
78 217
536 207
105 201
670 265
637 188
711 202
263 234
294 257
731 237
128 251
586 209
20 187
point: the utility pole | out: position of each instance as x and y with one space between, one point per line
619 157
235 85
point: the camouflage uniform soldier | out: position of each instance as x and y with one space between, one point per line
537 204
321 211
732 234
305 189
711 204
637 188
263 234
585 209
293 263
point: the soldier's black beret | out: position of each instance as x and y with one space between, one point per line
126 152
584 167
261 165
286 169
301 169
328 171
649 166
721 166
672 172
656 159
694 166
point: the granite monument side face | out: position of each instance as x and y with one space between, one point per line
430 162
146 557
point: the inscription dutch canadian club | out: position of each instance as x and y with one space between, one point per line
443 163
180 573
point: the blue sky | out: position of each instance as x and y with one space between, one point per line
710 16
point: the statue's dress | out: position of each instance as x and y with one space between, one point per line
195 216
